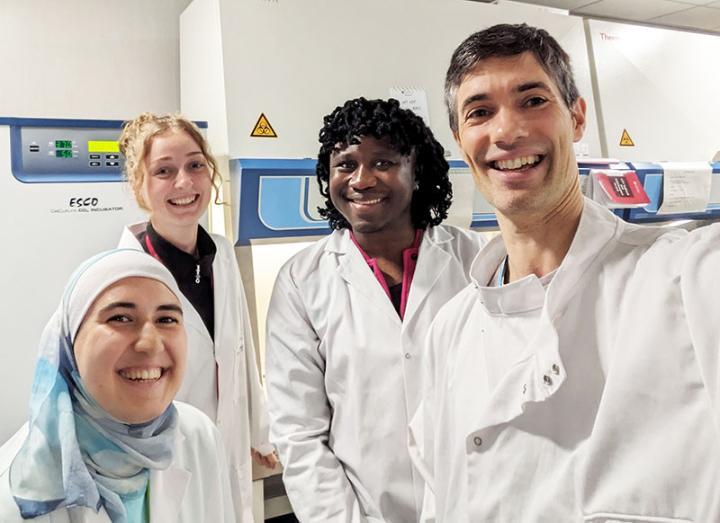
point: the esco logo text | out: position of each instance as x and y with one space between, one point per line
83 202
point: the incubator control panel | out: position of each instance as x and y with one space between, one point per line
63 151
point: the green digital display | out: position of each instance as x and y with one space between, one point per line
63 153
63 144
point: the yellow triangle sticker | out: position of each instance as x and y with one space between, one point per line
625 140
263 129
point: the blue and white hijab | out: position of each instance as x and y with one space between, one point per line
75 453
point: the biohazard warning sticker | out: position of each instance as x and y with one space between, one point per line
625 140
263 129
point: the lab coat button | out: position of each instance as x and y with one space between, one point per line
407 356
547 379
555 369
477 440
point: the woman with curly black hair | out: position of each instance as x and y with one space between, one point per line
349 314
406 133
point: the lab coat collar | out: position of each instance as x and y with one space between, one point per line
354 270
597 227
591 244
437 235
129 235
339 241
520 296
432 260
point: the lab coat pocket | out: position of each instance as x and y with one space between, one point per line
612 517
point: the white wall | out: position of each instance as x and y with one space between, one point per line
70 59
661 85
202 93
89 58
296 60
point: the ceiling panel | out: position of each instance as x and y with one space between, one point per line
697 2
561 4
697 17
639 10
700 15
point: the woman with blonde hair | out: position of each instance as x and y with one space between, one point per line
172 174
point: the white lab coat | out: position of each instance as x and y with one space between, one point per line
343 375
195 488
239 411
609 414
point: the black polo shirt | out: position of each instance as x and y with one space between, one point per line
193 274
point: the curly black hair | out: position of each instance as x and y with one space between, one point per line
385 119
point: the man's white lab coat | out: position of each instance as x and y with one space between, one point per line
610 413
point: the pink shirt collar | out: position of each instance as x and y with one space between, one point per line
410 256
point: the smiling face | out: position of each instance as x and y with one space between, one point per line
130 349
371 185
177 183
516 134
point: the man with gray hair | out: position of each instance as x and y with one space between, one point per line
567 382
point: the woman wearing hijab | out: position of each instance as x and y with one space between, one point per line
172 175
104 441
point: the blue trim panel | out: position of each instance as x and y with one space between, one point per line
254 220
284 210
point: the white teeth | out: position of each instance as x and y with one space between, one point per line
516 163
142 374
368 202
183 201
